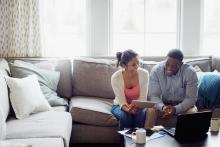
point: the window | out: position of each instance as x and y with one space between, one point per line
211 28
150 27
147 26
63 26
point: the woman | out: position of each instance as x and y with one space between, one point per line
129 83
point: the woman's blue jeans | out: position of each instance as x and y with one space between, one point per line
128 120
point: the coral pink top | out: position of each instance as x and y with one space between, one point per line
132 94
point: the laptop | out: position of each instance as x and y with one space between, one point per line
193 125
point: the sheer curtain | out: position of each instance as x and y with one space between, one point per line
63 27
19 28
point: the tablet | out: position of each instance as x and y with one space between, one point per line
143 104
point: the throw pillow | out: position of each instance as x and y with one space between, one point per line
4 66
209 90
197 68
26 96
48 80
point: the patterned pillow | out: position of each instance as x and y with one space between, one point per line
209 90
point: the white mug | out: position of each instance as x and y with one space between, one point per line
140 136
215 124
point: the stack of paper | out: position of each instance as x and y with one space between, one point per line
153 136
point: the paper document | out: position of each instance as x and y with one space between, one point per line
157 135
133 136
153 136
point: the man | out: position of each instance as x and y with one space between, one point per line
173 85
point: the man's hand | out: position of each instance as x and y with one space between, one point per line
168 111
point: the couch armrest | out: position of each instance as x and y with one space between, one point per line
2 127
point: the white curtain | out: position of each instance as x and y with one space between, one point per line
19 28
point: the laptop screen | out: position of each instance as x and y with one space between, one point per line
193 124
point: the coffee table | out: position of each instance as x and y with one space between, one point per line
211 140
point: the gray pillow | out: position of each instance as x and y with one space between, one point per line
48 80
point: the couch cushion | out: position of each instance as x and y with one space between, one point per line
4 99
92 77
216 63
41 125
37 142
205 64
65 87
148 65
92 110
60 108
64 66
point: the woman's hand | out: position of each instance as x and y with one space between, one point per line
130 108
125 107
133 109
